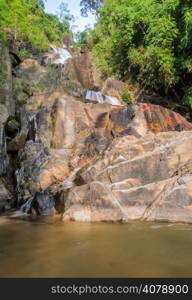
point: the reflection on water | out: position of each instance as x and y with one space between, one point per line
50 248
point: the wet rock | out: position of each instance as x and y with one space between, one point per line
44 204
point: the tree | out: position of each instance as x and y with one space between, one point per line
82 37
147 41
64 14
41 3
90 6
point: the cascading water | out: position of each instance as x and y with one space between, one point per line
112 100
63 55
26 207
100 98
94 96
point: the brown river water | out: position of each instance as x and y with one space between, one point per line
47 247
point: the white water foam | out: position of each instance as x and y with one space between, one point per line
94 96
64 55
112 100
100 98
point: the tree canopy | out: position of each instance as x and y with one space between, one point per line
26 24
148 41
90 6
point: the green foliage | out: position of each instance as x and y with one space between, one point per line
126 98
27 25
188 95
23 53
90 6
147 41
82 37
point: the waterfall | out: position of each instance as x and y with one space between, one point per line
25 208
94 96
112 100
63 55
100 98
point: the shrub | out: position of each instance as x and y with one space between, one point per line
126 98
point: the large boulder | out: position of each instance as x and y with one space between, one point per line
146 178
80 69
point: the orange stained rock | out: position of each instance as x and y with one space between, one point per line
163 119
53 175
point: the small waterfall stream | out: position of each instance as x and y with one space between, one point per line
100 98
25 208
94 96
63 55
112 100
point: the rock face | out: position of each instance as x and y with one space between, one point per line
7 109
6 97
80 70
70 136
90 161
7 106
5 197
148 178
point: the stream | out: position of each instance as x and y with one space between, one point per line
47 247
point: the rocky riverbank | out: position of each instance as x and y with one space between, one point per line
62 152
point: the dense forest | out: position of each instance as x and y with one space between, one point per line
148 42
145 41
